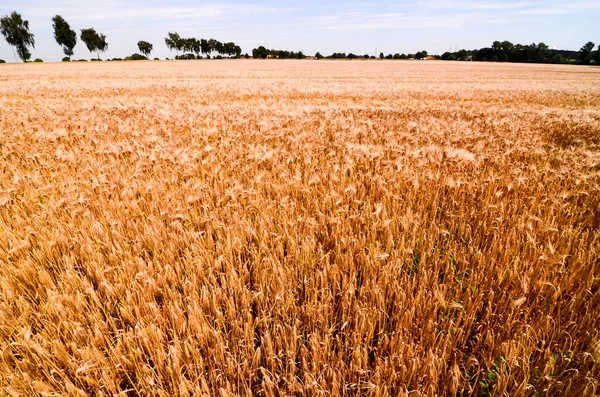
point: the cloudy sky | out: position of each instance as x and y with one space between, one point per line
313 25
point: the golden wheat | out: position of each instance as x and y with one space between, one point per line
296 227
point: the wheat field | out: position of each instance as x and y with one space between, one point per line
322 228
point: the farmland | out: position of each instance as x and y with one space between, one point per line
299 227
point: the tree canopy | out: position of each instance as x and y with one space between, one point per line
586 53
192 45
145 47
64 35
94 41
16 32
174 42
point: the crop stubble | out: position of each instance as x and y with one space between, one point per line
281 227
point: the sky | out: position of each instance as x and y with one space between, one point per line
361 27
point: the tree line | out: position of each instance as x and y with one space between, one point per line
506 51
205 47
499 52
16 32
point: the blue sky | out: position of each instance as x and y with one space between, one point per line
310 26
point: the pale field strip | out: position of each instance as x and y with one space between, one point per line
309 227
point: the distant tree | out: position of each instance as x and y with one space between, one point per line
497 47
102 44
352 56
462 55
204 46
193 45
231 49
94 41
89 38
218 47
260 52
16 32
419 55
508 48
403 56
174 42
585 53
484 54
64 35
319 56
381 56
542 51
598 56
145 47
212 45
389 56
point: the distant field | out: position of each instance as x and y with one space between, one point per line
299 228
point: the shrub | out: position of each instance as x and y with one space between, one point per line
157 59
137 57
2 61
96 60
38 60
81 60
66 59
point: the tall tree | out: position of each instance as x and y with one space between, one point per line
585 53
191 45
145 47
16 32
195 46
598 56
102 44
205 46
64 35
94 41
214 46
174 42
